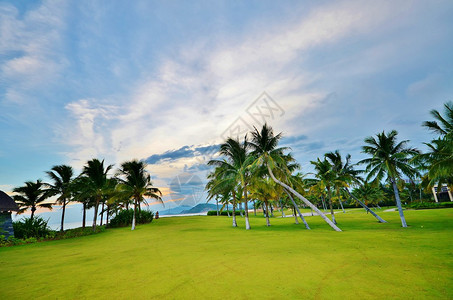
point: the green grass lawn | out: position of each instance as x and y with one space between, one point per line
204 257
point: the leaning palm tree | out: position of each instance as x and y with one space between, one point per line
95 174
389 159
61 177
265 145
31 196
135 182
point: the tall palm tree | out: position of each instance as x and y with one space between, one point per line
265 145
135 182
61 177
96 183
389 159
30 196
236 167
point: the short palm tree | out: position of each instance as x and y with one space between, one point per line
389 159
31 196
438 161
326 177
265 145
236 169
96 183
61 177
135 183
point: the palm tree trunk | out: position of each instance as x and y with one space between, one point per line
398 203
133 215
107 215
102 213
296 207
62 215
295 215
339 200
84 217
228 212
330 205
272 210
240 210
217 205
324 206
234 209
366 207
247 223
254 207
268 223
281 206
335 227
95 214
33 208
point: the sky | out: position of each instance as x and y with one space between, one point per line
167 81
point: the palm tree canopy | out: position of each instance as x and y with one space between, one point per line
61 176
388 157
443 124
31 195
135 181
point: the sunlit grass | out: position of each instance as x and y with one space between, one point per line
204 257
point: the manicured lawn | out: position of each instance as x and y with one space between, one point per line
203 257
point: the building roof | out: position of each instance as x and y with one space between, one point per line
7 203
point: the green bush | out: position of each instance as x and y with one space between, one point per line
31 228
224 212
429 205
124 218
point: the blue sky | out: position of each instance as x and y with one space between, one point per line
164 80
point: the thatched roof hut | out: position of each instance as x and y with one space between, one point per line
7 203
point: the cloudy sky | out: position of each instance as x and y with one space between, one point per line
165 81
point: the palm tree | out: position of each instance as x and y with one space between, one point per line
326 178
223 182
346 175
438 161
61 176
265 145
31 195
389 159
135 182
81 194
96 183
236 168
266 191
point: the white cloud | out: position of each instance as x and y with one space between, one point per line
193 97
30 45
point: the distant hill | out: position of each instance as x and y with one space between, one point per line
199 208
174 211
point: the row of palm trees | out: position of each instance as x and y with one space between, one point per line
93 188
261 171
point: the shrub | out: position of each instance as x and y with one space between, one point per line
31 228
124 218
224 212
429 205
